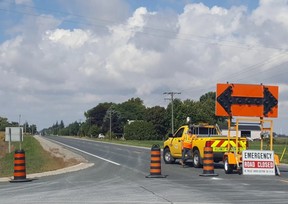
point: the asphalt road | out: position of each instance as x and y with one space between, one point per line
119 176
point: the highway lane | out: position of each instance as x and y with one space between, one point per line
118 176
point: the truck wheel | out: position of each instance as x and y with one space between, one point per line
196 159
168 159
228 168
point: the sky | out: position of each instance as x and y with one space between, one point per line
61 58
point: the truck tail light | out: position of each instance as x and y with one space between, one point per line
208 143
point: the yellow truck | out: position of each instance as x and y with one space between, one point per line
207 135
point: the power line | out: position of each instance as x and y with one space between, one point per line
150 31
248 72
172 111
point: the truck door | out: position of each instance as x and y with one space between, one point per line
177 143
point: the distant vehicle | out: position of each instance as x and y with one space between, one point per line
101 136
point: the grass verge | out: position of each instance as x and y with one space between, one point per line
280 147
37 159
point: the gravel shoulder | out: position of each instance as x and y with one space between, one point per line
59 151
73 161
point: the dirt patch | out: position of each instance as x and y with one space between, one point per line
2 149
4 145
62 158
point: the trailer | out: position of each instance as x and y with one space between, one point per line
233 157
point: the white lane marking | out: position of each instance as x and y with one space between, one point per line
93 155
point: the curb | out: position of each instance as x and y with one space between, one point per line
74 168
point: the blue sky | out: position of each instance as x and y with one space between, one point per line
14 13
178 5
66 56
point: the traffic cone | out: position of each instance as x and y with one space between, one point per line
19 167
208 162
155 164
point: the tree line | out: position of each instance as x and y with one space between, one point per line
133 120
28 129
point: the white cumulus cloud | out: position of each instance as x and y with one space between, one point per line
61 66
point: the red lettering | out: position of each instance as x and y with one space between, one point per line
249 164
259 164
265 164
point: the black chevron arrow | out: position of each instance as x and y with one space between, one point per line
269 101
226 100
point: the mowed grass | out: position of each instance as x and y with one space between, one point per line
279 147
37 159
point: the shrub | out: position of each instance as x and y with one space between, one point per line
140 130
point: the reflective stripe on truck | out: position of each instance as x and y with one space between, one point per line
222 145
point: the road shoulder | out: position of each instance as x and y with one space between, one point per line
75 162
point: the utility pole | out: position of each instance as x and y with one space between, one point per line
20 132
172 111
110 125
110 121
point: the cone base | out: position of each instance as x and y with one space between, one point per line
156 176
208 175
20 180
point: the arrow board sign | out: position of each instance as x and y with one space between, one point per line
247 100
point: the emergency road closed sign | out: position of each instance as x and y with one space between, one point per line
257 162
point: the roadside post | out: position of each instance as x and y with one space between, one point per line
9 140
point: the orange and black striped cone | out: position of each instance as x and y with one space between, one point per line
19 167
208 162
155 164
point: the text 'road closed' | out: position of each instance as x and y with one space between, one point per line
258 162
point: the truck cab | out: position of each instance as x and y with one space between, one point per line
207 135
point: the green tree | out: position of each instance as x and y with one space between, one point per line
140 130
178 116
114 118
133 109
208 96
199 111
61 125
74 128
84 129
55 129
30 129
208 103
157 116
95 116
189 109
94 131
3 123
33 129
64 132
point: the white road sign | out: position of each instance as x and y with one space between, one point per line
14 134
258 162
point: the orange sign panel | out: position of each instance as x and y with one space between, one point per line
246 100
